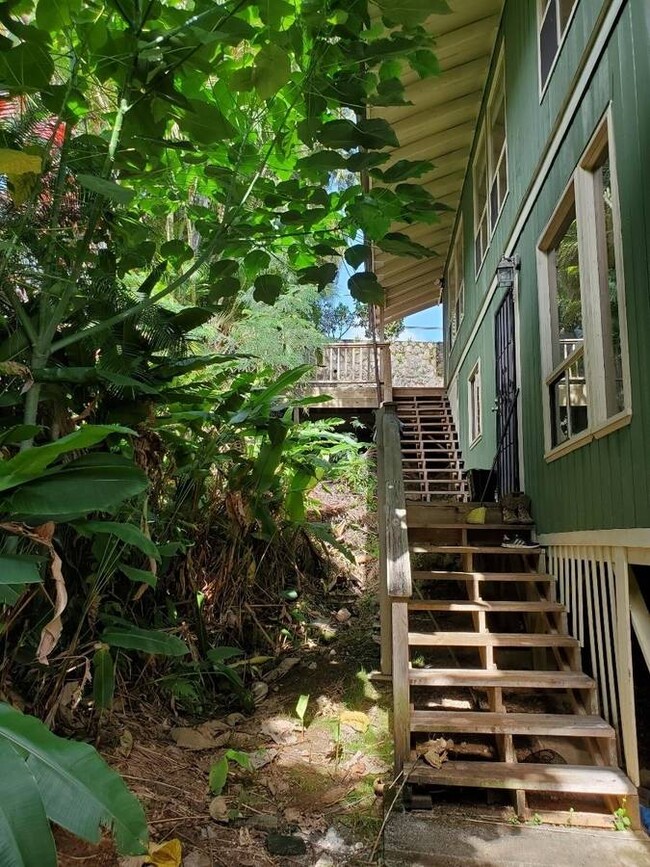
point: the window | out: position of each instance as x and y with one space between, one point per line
490 168
554 19
456 284
475 405
582 305
497 150
480 204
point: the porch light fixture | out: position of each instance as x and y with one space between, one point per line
506 271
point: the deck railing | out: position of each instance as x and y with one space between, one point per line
395 584
360 364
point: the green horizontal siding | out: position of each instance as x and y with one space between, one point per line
604 484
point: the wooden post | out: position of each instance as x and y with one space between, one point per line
384 601
398 579
387 372
624 662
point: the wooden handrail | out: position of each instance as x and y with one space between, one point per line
395 587
398 561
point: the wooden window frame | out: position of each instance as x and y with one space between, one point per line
456 286
583 191
475 419
482 216
498 89
542 8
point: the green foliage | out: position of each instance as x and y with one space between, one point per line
66 782
169 177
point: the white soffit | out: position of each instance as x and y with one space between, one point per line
439 126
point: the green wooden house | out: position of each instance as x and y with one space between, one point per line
539 128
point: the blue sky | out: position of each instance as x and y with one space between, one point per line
424 326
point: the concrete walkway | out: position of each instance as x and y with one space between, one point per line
415 841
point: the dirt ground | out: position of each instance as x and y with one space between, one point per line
313 789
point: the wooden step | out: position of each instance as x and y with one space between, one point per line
484 722
510 679
432 548
490 639
513 528
576 779
462 606
482 577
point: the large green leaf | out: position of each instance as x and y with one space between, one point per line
272 70
128 533
145 640
103 678
268 288
372 134
139 576
75 491
366 288
30 464
25 835
19 569
401 245
107 189
78 789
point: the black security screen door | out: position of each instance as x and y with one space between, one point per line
507 392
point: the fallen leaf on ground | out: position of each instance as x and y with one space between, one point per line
343 615
292 816
193 739
282 731
212 726
261 758
126 744
168 854
259 691
434 752
197 859
356 719
218 809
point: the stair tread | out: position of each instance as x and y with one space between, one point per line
491 639
586 779
460 606
432 548
436 575
487 722
512 678
467 526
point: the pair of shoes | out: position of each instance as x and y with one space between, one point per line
518 542
509 516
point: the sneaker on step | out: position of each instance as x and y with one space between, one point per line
518 542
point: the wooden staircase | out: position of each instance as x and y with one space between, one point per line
431 458
481 656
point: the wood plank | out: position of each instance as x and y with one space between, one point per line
431 548
507 679
574 779
434 575
485 722
397 548
401 706
460 606
490 639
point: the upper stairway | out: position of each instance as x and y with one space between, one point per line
481 657
431 460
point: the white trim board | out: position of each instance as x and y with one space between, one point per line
590 61
634 538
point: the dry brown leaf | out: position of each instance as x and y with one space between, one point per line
284 668
126 744
193 739
356 719
51 632
434 752
218 809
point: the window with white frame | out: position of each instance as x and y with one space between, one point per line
480 176
554 19
497 146
490 173
582 304
456 284
474 399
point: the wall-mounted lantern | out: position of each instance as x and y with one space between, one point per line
506 270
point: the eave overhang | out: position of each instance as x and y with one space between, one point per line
439 126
